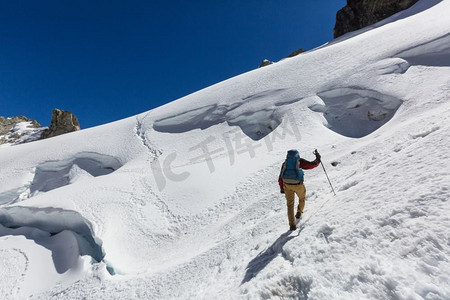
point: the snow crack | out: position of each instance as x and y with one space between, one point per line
54 174
356 112
257 115
433 53
54 222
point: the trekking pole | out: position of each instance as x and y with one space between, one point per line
315 152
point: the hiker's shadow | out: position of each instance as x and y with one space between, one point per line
257 264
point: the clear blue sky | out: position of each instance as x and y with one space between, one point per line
107 60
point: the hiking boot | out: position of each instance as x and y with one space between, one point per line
298 215
292 227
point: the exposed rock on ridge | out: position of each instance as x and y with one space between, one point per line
361 13
264 63
267 62
297 52
17 130
63 121
7 123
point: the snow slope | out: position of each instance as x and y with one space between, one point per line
182 202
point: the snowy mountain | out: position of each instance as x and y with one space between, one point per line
18 130
182 202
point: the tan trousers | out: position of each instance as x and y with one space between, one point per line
289 191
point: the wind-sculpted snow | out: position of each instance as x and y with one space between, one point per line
44 247
14 195
55 221
54 174
356 112
390 66
434 53
257 115
195 212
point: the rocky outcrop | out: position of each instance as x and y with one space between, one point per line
20 129
264 63
63 121
17 130
297 52
361 13
267 62
7 123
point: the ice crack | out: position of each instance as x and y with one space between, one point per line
54 221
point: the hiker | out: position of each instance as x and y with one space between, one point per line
291 182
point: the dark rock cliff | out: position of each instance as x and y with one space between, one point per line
63 121
361 13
